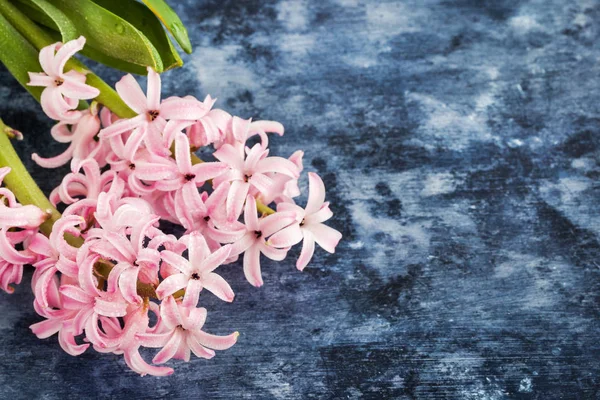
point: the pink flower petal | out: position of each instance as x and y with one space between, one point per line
170 348
196 319
286 237
169 312
66 339
250 214
177 108
216 342
327 237
153 89
198 349
272 252
277 164
46 58
170 285
235 199
45 329
252 266
218 286
177 261
39 79
110 308
65 52
10 254
128 285
208 170
78 90
55 106
192 293
212 261
263 183
229 155
316 193
320 216
112 283
308 249
122 125
57 161
135 361
268 126
239 128
132 94
276 222
182 154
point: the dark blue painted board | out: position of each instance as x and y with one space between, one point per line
458 141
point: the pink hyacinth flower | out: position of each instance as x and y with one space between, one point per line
248 174
182 334
197 272
80 138
310 225
254 241
15 215
58 320
153 114
11 259
181 174
134 260
63 89
90 302
125 340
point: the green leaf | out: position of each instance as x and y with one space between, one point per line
51 30
53 18
18 55
144 20
171 20
110 34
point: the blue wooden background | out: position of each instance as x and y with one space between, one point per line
458 140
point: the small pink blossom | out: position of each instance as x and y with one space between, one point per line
248 174
15 215
182 333
133 259
197 272
80 138
254 241
63 90
310 227
153 114
180 174
125 340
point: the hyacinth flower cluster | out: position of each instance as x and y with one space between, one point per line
106 269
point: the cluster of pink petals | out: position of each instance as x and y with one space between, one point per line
18 225
129 174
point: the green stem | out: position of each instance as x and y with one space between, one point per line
39 38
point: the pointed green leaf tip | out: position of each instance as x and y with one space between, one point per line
109 34
138 15
171 21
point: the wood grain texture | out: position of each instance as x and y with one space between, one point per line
459 144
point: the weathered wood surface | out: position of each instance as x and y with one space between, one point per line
459 144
